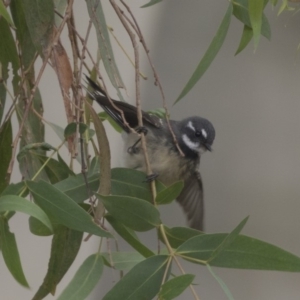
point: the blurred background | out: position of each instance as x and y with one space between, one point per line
252 100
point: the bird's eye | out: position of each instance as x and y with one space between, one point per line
198 133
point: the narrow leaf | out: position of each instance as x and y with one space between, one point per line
8 50
10 253
244 253
98 18
122 260
36 227
63 209
178 235
135 213
229 239
64 249
150 3
72 128
142 281
176 286
255 12
16 203
5 153
221 283
5 14
75 186
39 17
85 279
129 236
170 193
245 39
55 170
210 54
23 36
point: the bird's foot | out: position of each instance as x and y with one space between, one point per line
141 129
151 177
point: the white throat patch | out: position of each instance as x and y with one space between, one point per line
195 146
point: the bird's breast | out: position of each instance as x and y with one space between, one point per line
164 159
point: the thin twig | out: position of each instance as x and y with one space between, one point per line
33 90
156 77
137 92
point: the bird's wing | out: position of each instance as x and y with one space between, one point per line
129 111
191 200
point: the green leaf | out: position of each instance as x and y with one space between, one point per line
176 286
63 209
58 130
55 170
245 39
210 54
64 249
135 213
5 14
39 15
32 135
85 279
256 8
14 189
8 50
122 260
72 128
75 186
133 183
229 239
142 281
60 6
5 153
38 228
240 11
178 235
221 283
129 236
150 3
10 253
16 203
170 193
2 97
25 42
98 18
244 253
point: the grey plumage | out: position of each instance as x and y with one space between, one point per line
195 135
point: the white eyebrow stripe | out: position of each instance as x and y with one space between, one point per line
190 125
192 145
204 133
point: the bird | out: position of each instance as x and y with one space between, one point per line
195 135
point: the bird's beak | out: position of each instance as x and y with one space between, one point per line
208 147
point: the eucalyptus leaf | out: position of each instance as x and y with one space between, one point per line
134 213
178 235
170 193
129 236
64 249
245 39
5 153
10 253
63 209
255 8
150 3
176 286
122 260
16 203
142 281
210 53
85 279
5 14
244 253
